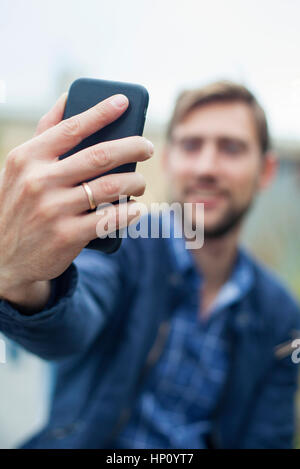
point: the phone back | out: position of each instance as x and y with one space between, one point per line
85 93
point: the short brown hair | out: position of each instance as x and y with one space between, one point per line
221 91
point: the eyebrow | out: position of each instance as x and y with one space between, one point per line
244 143
219 138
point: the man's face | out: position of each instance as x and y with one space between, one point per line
214 158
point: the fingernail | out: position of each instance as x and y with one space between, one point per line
119 101
150 147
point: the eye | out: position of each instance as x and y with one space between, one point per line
232 147
190 145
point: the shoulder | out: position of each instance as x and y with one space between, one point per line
272 296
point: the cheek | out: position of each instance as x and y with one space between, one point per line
242 180
179 172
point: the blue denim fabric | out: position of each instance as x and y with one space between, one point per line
103 323
175 406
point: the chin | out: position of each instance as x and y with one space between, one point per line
210 223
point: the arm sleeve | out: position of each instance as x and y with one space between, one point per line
81 301
272 423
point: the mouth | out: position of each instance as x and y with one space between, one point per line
209 198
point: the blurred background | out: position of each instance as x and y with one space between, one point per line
165 45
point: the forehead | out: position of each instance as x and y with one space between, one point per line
218 120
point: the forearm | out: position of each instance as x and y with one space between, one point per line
49 333
85 296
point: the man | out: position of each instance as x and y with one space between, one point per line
156 346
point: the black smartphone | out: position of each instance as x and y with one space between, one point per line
85 93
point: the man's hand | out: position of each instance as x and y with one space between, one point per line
44 222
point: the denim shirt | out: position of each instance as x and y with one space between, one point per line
103 324
175 406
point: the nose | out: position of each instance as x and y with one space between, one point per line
206 162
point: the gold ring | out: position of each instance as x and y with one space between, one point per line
89 195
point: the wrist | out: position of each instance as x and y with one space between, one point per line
27 296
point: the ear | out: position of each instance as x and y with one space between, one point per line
269 169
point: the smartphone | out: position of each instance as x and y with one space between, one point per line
85 93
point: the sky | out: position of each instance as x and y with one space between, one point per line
166 45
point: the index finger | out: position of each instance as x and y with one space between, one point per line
70 132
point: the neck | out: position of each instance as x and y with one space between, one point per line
216 258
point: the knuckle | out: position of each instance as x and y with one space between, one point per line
110 186
103 112
33 185
71 127
63 236
52 174
15 160
48 211
99 157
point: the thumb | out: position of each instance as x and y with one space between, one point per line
54 116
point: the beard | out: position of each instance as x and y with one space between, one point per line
231 220
225 226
